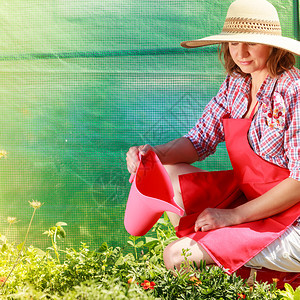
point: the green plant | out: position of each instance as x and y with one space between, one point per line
35 205
290 293
115 273
56 232
10 221
154 245
132 242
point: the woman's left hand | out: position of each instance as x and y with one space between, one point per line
213 218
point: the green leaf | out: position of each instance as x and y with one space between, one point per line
129 257
297 293
157 249
149 239
61 224
151 273
120 261
40 252
19 247
162 221
61 232
139 244
4 248
134 238
289 289
3 238
103 247
151 244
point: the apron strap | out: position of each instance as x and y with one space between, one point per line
253 111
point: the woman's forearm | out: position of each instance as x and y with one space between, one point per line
278 199
177 151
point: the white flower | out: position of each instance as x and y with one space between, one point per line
35 204
11 220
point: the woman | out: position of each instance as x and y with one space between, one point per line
248 215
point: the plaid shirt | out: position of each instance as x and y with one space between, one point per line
274 133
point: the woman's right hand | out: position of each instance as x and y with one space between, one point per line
132 156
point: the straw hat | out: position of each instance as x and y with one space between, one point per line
250 21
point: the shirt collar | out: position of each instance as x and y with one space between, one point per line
265 92
245 85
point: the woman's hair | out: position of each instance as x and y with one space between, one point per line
279 61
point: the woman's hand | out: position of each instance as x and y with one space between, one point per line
177 151
213 218
132 156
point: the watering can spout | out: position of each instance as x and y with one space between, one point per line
151 194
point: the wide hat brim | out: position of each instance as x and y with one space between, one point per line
276 41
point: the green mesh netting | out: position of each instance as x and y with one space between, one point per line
80 82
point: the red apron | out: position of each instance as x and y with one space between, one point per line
231 247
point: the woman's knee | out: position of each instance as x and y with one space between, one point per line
172 256
174 253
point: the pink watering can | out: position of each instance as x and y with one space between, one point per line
150 195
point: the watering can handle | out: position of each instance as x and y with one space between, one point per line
131 178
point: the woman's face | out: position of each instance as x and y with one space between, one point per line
251 58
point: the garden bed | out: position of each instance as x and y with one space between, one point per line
135 272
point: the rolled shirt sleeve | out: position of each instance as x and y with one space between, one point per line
208 132
292 134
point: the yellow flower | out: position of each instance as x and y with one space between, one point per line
11 220
3 154
35 204
130 280
195 280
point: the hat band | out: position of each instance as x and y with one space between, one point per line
246 25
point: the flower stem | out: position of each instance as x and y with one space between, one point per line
8 229
20 252
55 249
